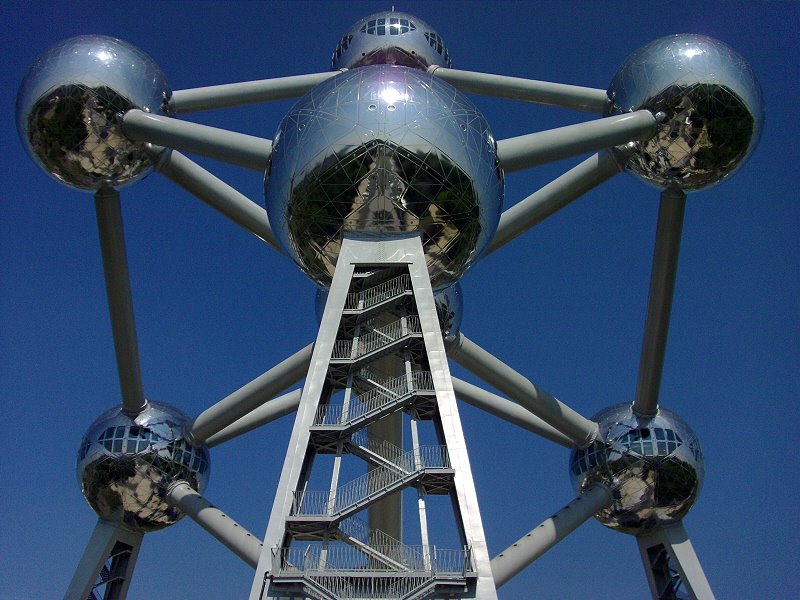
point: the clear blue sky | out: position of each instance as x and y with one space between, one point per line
564 304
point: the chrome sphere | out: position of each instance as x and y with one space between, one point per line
449 307
390 38
712 109
384 150
653 466
70 105
126 463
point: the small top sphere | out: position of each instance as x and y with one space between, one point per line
390 38
654 468
127 462
711 105
70 105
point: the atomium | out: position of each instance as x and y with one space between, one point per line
390 38
126 463
384 150
711 106
70 106
654 467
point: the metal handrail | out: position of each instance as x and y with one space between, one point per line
343 558
374 399
377 338
378 293
378 479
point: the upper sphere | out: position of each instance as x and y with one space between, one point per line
712 107
384 150
653 466
390 38
70 105
127 463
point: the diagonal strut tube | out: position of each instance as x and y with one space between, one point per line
556 195
527 549
485 365
250 396
527 90
532 149
217 194
239 149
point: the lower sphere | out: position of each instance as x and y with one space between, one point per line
653 466
126 463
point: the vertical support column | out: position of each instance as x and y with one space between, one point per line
108 561
671 564
120 305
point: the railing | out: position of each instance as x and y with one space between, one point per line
343 559
379 293
377 338
374 399
378 479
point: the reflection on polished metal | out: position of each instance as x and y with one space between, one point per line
384 184
449 302
711 105
126 463
378 358
654 467
390 38
384 150
70 107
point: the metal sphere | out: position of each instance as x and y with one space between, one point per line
390 38
384 150
70 105
449 307
711 106
654 467
126 463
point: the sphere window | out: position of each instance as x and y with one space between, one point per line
397 26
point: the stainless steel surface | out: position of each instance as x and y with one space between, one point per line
659 301
521 390
126 463
229 533
120 302
526 90
218 195
535 543
250 396
245 92
653 466
533 149
266 413
70 105
711 105
508 411
239 149
390 38
384 150
554 196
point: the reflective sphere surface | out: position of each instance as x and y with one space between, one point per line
449 307
390 38
126 464
70 105
653 466
383 150
712 106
